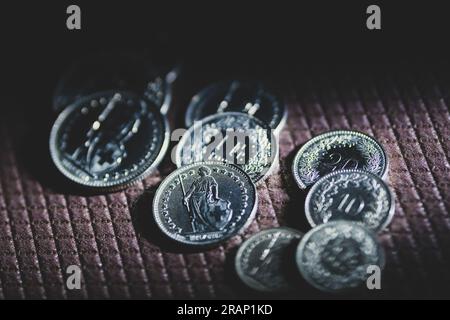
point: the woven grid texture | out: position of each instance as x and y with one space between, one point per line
45 228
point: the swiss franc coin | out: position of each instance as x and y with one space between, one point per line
205 203
231 137
118 71
336 150
335 256
108 140
262 260
353 195
250 97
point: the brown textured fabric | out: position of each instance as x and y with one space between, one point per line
45 227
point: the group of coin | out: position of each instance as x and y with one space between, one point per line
112 131
346 204
212 195
114 137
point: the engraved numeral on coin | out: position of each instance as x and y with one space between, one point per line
349 202
338 162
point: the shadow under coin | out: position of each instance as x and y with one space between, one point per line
33 155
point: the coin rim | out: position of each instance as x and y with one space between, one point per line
109 186
274 145
163 185
311 191
239 267
305 238
189 118
302 149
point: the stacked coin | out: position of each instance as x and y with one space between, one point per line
236 122
347 202
112 130
230 145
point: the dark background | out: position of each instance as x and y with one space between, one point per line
392 83
250 37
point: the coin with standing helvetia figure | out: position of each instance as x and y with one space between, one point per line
205 203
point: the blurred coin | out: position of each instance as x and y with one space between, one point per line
262 261
119 71
336 150
353 195
205 203
250 97
108 140
231 137
335 256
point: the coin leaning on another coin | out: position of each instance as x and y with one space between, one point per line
205 203
108 140
249 97
354 195
335 256
336 150
262 261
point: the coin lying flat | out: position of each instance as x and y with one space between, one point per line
353 195
335 256
250 97
336 150
231 137
113 71
205 203
261 260
108 140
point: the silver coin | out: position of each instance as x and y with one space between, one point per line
231 137
353 195
335 256
250 97
337 150
109 140
261 260
205 203
117 71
